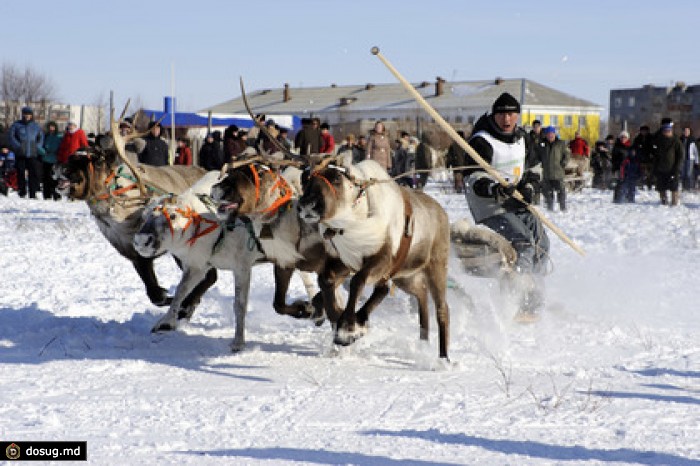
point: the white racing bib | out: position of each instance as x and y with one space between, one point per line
508 159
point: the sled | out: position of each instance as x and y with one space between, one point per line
481 251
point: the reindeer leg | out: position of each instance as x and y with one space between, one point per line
190 303
346 332
191 277
157 295
378 294
241 274
333 274
437 282
299 309
417 286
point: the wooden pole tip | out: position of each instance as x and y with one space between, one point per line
374 50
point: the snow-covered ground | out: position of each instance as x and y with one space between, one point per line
609 375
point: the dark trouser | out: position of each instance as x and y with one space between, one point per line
549 187
527 235
31 178
48 184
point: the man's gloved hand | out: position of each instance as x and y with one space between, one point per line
502 192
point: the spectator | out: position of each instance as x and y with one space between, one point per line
403 161
8 174
668 156
688 174
26 137
642 145
360 152
456 157
308 139
283 138
630 173
601 166
73 139
348 148
327 140
554 154
155 152
619 152
580 153
211 154
536 135
379 146
183 155
424 161
231 143
52 141
264 142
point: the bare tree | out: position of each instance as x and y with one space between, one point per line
24 87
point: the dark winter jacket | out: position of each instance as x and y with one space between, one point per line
308 140
424 156
211 156
642 144
155 153
668 154
52 142
631 169
25 138
619 153
554 156
403 160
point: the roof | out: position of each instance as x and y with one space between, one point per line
367 97
183 119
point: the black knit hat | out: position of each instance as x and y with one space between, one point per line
505 103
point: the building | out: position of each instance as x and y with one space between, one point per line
646 105
90 118
355 108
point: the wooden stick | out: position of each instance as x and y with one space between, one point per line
474 155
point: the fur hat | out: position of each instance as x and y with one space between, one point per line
27 111
624 134
505 103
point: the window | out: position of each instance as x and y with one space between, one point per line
630 101
540 117
554 120
458 119
618 102
568 121
582 122
471 119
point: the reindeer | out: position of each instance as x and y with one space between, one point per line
380 232
254 191
189 227
116 195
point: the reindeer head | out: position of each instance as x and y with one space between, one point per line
327 190
250 188
162 220
85 172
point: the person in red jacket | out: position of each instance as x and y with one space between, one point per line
73 139
327 140
580 153
184 153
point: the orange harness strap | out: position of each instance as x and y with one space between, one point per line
325 180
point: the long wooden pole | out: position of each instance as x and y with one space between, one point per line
472 153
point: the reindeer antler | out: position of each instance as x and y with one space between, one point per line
120 146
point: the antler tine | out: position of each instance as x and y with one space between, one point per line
324 163
126 107
119 145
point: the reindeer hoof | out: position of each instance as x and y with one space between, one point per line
164 327
346 337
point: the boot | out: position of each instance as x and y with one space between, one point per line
664 199
675 198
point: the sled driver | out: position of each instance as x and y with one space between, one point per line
501 143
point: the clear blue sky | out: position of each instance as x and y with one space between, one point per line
584 48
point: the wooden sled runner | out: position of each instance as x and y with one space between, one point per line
481 251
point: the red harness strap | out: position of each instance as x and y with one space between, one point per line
318 175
